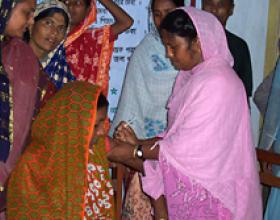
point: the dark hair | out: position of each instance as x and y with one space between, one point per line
102 101
50 12
87 2
44 14
178 3
178 22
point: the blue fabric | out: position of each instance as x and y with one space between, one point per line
58 68
147 86
270 137
4 115
5 104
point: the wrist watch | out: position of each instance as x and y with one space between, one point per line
139 152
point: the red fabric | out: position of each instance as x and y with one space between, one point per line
89 56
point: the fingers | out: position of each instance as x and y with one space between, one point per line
120 131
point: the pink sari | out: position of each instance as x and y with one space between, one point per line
207 149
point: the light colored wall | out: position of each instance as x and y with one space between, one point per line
249 21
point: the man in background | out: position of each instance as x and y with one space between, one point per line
223 9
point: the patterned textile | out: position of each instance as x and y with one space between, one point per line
189 199
50 180
137 205
89 51
99 197
55 64
45 90
208 138
58 69
6 103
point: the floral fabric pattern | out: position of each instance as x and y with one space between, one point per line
188 199
89 56
99 196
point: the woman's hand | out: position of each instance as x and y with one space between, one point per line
125 133
121 152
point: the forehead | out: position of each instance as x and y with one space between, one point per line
164 5
57 18
172 39
27 4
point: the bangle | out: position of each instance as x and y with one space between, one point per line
134 151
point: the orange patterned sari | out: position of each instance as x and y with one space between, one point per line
51 179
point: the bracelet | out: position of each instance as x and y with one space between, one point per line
134 151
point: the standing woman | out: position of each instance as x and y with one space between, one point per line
147 86
89 50
18 84
204 166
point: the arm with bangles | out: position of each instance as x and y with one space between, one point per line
125 154
124 146
122 20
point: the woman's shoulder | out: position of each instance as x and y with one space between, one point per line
19 57
149 40
19 49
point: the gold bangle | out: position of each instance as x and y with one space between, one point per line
2 188
134 151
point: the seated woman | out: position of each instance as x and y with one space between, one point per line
63 173
204 164
47 34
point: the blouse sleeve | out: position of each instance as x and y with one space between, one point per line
152 182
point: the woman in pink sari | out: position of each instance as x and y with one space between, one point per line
204 165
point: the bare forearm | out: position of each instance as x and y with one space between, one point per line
122 20
150 152
150 141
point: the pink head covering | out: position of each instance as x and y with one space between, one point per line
208 138
211 35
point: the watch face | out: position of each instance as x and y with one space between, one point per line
139 153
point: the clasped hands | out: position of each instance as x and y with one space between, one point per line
123 143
